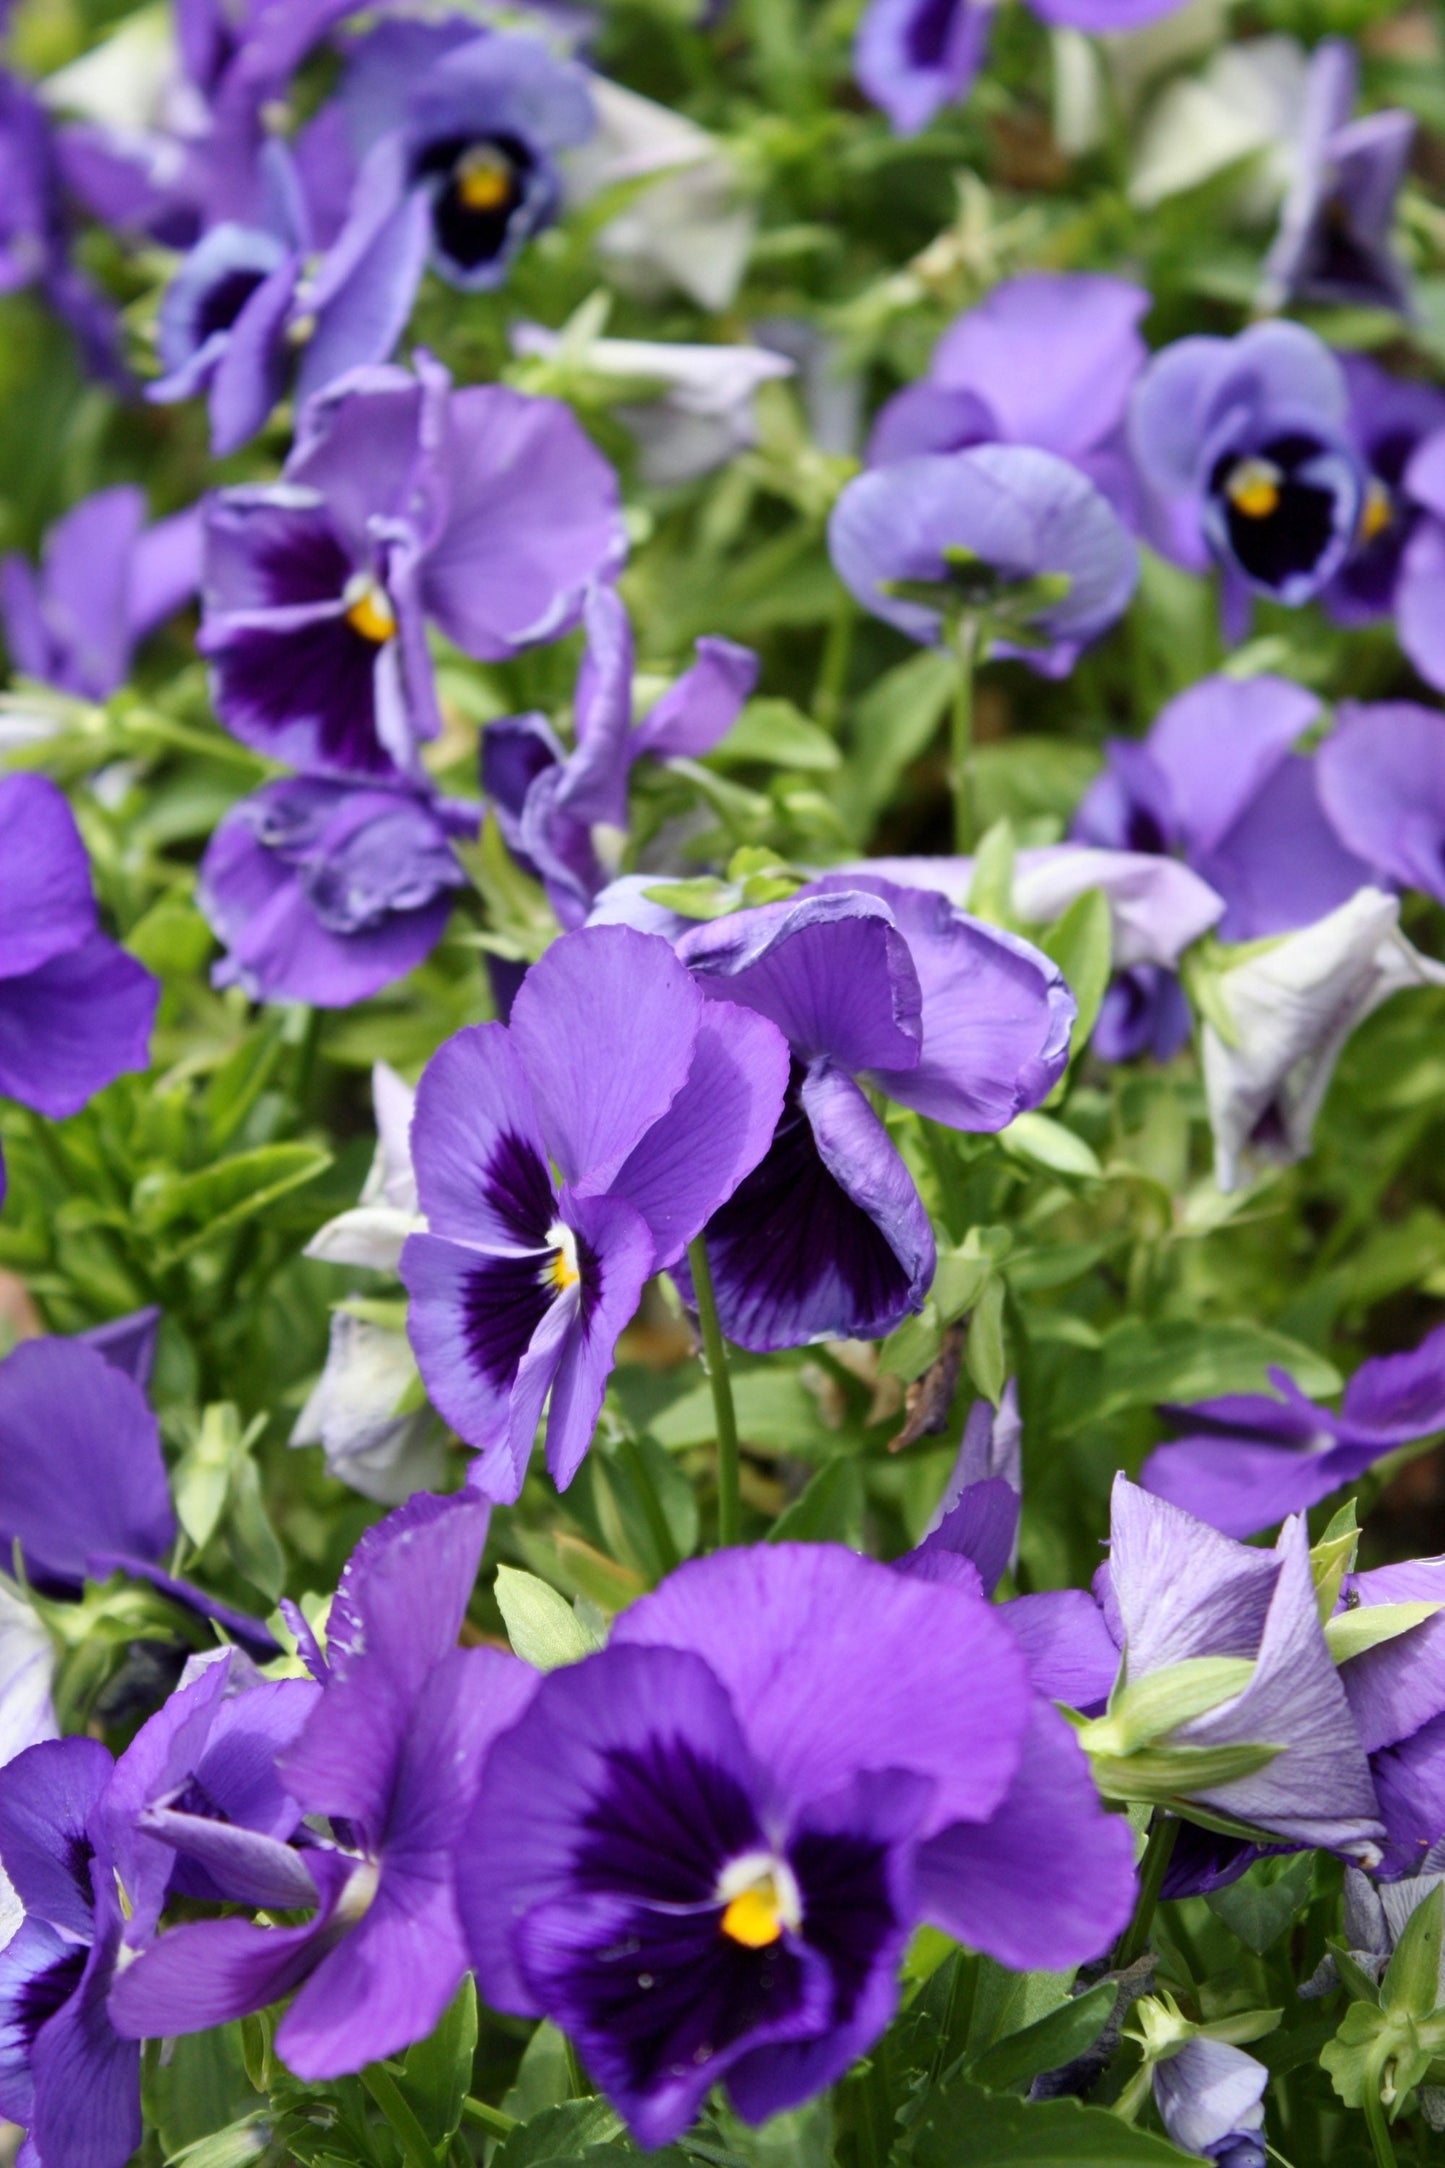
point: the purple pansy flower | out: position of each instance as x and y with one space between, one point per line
550 804
1397 1693
1048 359
469 128
651 1105
978 524
1396 562
326 891
483 510
82 1482
875 986
1210 2097
1242 445
768 1778
35 231
390 1754
1382 782
104 582
1333 243
75 1010
65 2076
248 299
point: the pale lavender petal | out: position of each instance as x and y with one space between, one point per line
1382 784
1053 355
698 711
1208 2091
1181 1589
73 1025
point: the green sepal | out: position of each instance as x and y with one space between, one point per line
1351 1633
1142 1714
1168 1776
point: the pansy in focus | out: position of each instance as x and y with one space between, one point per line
482 510
105 581
1243 445
882 988
554 808
1246 1461
1016 536
324 891
651 1104
1333 243
784 1761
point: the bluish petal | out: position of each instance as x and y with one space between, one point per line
46 904
73 1025
46 1801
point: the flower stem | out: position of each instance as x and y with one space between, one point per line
965 648
1381 2143
1155 1865
715 1359
384 2090
492 2119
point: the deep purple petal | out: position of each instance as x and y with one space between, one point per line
404 1591
81 1471
1071 1655
1241 1488
47 1799
913 56
46 904
87 2079
480 1159
616 1256
487 1331
74 1025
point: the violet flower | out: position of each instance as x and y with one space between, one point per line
403 500
1422 566
1382 783
390 1753
105 581
1242 444
1017 535
782 1762
651 1104
469 128
75 1010
877 986
1047 359
552 805
249 300
1333 243
65 2076
1396 1691
1246 1461
83 1486
1393 566
1209 2093
35 232
325 892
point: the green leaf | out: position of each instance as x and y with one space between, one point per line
991 889
1082 945
541 1625
250 1538
1412 1984
221 1197
966 2127
984 1351
558 2134
1369 1625
830 1509
893 722
437 2074
1053 2041
1145 1361
775 734
1263 1903
232 2147
1047 1143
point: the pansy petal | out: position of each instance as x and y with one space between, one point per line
1071 1655
617 1259
46 905
698 711
477 1146
1182 1590
473 1321
72 1026
46 1800
63 1405
87 2079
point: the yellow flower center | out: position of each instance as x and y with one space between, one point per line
483 178
563 1269
369 611
1378 511
760 1900
1253 488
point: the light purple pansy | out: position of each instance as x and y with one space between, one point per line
105 581
983 524
1397 1693
1046 359
389 1754
885 988
1396 563
1242 447
1382 783
1333 243
326 891
1249 1459
1210 2097
75 1010
550 803
651 1104
755 1793
483 511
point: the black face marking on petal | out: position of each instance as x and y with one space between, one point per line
481 186
39 1997
665 1826
847 1907
520 1189
929 29
79 1863
220 305
506 1299
323 675
1285 533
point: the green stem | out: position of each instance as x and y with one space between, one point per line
493 2119
384 2090
961 735
833 669
1381 2143
1155 1865
580 2088
667 1551
715 1358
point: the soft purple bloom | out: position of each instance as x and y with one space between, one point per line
83 1486
1395 561
1216 783
75 1010
1382 782
1175 1589
65 2076
104 582
976 1522
892 989
1333 243
1210 2097
389 1753
550 803
980 525
1248 1460
35 231
249 299
783 1761
1397 1695
484 511
651 1104
326 891
1422 566
1047 359
469 128
1242 445
914 56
